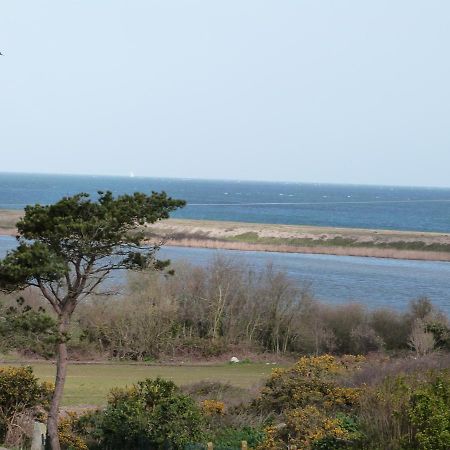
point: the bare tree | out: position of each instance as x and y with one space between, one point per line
420 340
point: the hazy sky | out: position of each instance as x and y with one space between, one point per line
327 91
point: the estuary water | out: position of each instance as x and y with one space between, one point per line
396 208
374 282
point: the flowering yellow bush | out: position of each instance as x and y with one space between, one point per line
67 436
309 425
21 392
313 407
314 366
305 428
271 441
212 407
20 388
116 395
311 381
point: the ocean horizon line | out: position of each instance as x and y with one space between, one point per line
229 180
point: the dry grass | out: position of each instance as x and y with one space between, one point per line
376 370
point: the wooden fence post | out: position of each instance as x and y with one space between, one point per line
244 445
210 446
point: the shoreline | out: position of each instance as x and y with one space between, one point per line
335 251
243 236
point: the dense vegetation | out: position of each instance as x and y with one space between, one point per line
221 309
397 396
321 402
213 310
22 399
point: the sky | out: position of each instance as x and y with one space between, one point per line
307 91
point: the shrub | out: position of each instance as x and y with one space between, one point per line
20 392
342 320
441 334
231 438
429 413
383 413
311 381
88 429
311 404
215 390
391 327
152 413
201 347
26 329
421 340
311 428
209 389
364 339
68 437
212 407
376 370
407 412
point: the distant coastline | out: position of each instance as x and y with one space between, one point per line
244 236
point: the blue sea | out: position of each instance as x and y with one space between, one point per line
393 208
335 279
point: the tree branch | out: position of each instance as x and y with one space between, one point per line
53 300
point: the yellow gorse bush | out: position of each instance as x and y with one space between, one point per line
308 398
312 380
21 393
67 436
212 407
309 425
21 390
271 441
118 394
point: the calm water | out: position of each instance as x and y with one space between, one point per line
422 209
376 282
373 281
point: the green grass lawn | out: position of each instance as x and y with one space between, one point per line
89 384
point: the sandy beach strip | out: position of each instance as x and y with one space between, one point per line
302 239
286 238
8 220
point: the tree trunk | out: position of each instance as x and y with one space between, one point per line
61 371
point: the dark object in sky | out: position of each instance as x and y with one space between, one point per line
1 54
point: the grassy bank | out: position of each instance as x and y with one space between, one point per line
303 239
288 238
89 384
